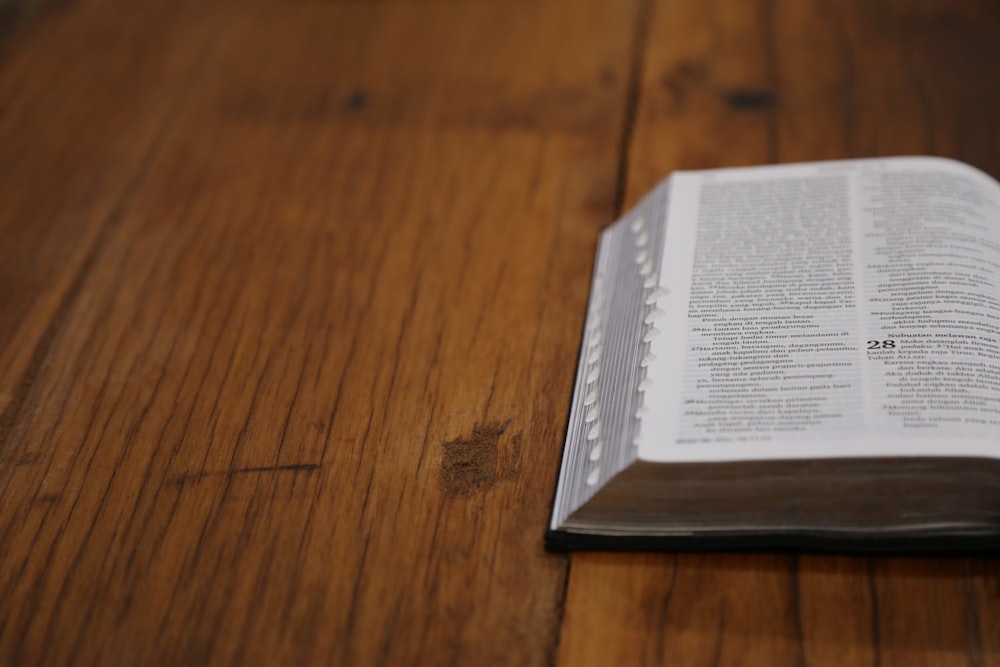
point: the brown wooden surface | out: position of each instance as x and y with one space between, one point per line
290 300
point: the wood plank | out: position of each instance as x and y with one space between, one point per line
735 83
307 402
74 135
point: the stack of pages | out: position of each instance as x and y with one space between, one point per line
792 356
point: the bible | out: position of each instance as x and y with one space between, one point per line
800 356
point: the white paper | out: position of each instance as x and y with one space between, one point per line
836 309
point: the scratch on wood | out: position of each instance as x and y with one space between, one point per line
476 464
875 620
745 99
796 593
198 476
973 632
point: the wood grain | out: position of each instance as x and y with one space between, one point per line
67 167
736 83
347 242
290 302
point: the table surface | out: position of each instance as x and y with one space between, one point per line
290 301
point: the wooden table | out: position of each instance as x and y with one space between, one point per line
290 300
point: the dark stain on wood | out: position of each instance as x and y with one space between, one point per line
475 464
684 76
608 77
356 101
11 13
15 13
743 99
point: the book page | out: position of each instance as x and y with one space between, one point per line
836 309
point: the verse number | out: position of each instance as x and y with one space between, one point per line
881 344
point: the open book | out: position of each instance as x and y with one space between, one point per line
800 355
